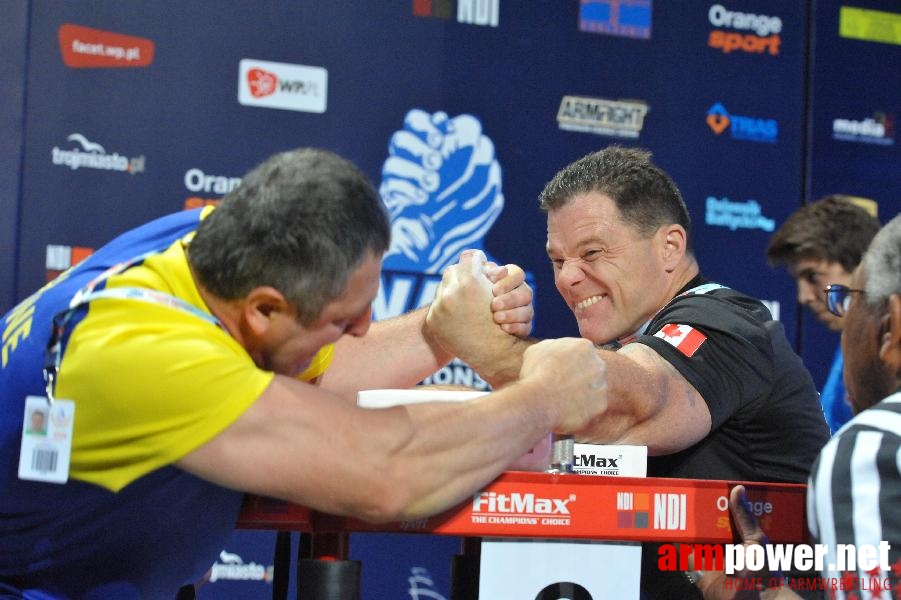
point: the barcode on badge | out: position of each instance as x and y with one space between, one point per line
43 460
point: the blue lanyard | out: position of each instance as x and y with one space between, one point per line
53 354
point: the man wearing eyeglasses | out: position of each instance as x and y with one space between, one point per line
854 492
819 244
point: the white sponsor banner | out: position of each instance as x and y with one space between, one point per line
282 85
576 570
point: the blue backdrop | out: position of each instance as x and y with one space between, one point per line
114 113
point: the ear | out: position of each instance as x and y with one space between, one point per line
262 307
674 245
890 340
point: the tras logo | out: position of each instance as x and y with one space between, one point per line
751 129
282 85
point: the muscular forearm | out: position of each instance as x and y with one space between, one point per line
396 353
650 404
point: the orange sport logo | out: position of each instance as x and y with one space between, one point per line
744 32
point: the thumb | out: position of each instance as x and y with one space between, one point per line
749 529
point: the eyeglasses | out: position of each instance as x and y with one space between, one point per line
838 298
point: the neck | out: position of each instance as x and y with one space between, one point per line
227 311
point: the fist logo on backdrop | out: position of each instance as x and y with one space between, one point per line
564 590
442 186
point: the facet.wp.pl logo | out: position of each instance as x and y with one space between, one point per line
751 129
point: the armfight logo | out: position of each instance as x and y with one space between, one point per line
86 154
614 118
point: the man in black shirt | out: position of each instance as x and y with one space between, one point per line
699 373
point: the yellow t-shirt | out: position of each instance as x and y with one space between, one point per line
152 383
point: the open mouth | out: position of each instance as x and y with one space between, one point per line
589 301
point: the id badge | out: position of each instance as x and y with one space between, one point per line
46 440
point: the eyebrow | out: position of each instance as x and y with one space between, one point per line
586 242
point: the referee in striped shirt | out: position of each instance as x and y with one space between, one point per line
854 492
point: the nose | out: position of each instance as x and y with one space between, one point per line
807 292
569 273
359 326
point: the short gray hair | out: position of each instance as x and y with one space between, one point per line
882 264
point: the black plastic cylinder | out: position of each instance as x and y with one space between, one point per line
328 579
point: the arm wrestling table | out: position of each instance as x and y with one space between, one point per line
535 505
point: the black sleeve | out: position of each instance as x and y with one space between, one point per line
733 365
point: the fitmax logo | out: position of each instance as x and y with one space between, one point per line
493 502
590 460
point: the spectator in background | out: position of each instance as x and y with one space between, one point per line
822 243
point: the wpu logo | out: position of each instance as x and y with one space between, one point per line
91 155
282 85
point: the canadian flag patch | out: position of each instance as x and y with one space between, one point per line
686 339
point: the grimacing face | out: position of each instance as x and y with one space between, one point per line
608 275
290 346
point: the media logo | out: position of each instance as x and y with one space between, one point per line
744 32
282 85
634 511
614 118
736 215
91 155
751 129
472 12
84 47
625 18
878 129
232 567
58 258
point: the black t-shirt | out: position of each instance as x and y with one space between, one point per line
767 423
